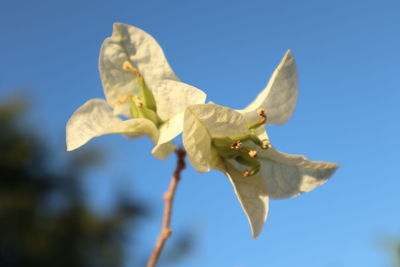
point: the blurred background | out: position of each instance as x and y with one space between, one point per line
102 204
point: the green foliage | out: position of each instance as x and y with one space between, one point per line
36 230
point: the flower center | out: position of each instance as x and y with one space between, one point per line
144 104
232 147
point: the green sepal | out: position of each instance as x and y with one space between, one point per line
149 114
146 95
222 142
240 137
133 108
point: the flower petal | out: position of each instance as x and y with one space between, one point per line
131 44
220 121
197 141
162 151
168 131
253 196
261 133
95 118
171 128
290 175
173 97
280 95
203 122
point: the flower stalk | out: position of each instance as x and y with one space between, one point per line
166 230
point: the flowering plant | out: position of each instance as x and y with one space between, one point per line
144 97
236 143
138 84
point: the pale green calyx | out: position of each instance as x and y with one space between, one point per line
232 147
142 105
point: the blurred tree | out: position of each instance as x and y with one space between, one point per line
396 254
37 230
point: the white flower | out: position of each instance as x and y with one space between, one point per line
138 84
236 143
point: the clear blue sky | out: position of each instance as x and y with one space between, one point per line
348 112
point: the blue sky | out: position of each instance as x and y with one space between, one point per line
348 112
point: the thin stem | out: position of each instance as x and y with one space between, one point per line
168 198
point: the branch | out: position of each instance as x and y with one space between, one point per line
168 198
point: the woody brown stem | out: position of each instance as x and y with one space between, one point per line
168 198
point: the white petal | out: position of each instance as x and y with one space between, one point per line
220 121
171 128
201 123
162 151
173 97
290 175
168 131
216 162
253 196
261 133
123 109
197 141
95 118
129 43
280 95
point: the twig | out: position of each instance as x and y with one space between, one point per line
168 198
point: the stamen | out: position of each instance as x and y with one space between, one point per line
251 172
128 67
259 122
246 173
236 145
265 144
252 153
122 100
261 113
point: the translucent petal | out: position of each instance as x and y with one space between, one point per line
168 131
290 175
197 141
261 133
129 43
220 121
95 118
171 128
203 122
173 97
162 151
253 196
217 162
279 96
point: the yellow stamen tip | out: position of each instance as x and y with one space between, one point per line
261 113
252 153
236 144
246 173
265 144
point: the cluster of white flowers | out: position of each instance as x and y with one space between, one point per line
140 85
